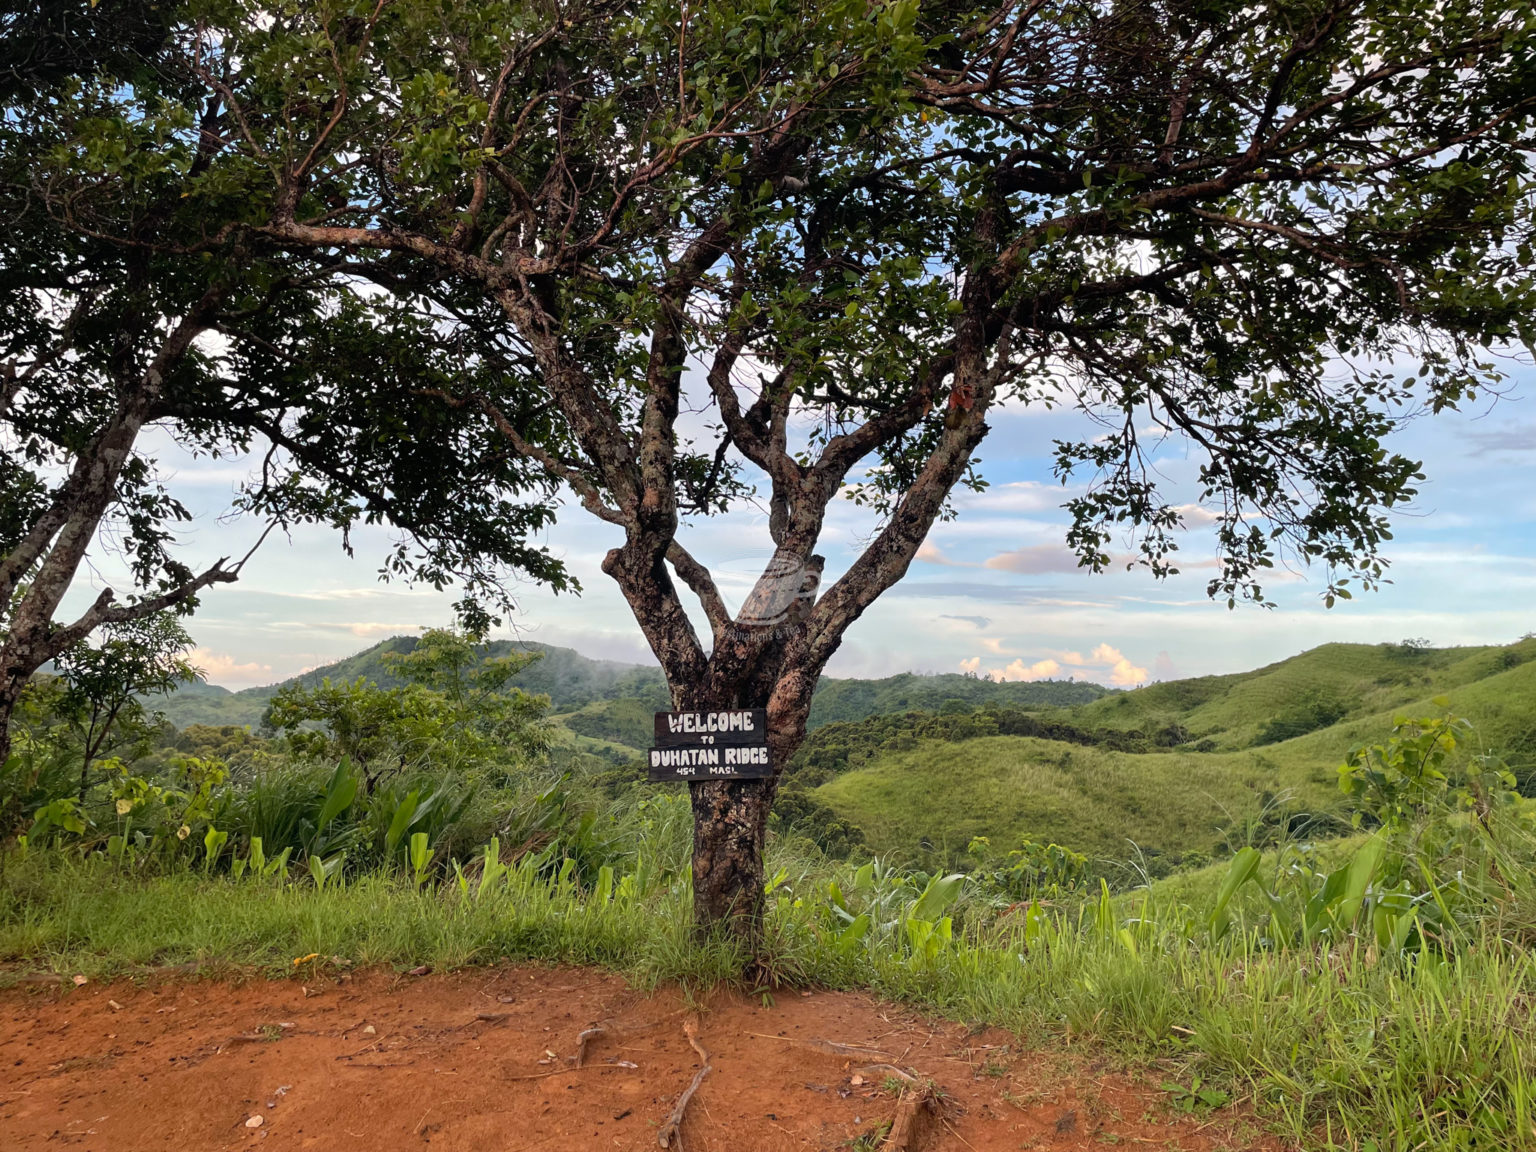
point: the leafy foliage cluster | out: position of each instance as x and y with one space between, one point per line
348 772
79 727
1320 708
847 700
457 713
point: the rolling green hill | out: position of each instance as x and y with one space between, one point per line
937 796
920 764
845 700
1245 745
1318 688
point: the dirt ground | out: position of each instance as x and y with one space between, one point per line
486 1060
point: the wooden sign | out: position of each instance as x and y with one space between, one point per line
730 744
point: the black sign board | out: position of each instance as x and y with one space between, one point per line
730 744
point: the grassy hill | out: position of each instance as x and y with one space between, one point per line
1321 687
921 764
846 700
928 795
937 796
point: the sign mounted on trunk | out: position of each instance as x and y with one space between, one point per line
727 745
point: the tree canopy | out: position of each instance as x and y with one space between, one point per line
131 299
848 231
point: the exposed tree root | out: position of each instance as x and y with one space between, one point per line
673 1128
830 1047
585 1038
914 1104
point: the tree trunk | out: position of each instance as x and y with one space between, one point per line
730 817
730 826
11 812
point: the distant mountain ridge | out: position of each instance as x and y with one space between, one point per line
568 678
592 688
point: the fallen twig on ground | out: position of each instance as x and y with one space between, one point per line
872 1072
673 1128
830 1047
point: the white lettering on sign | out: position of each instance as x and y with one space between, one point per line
758 755
684 757
738 721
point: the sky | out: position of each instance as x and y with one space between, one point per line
993 591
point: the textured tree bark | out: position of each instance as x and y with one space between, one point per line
730 817
11 812
730 825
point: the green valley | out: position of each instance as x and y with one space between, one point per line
917 766
1179 769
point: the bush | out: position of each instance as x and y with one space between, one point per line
1319 708
796 810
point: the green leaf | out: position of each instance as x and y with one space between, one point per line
1245 863
937 896
339 794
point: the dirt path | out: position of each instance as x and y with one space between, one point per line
484 1060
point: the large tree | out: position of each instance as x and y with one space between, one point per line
1270 229
130 298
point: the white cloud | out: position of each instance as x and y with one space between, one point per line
1035 559
976 622
1124 674
1018 670
973 665
1196 515
1104 662
219 668
1018 496
932 554
364 628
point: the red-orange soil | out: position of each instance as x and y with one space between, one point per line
484 1060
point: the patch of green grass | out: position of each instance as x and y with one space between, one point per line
1335 1046
1093 800
70 916
933 798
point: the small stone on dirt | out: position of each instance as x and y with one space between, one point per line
420 970
370 1030
80 981
255 1121
115 1006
